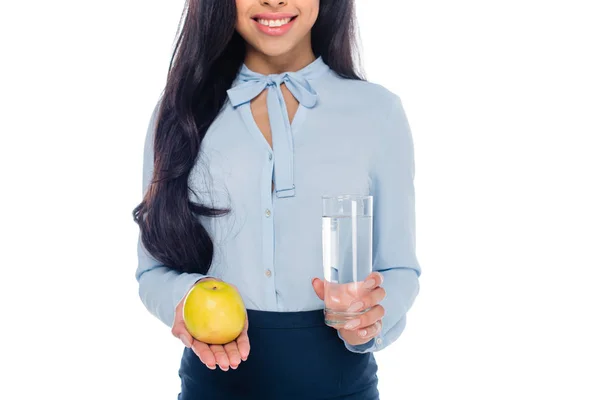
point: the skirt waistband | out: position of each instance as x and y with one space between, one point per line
286 320
293 356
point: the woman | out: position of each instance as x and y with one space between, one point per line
262 114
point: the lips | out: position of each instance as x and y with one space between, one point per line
274 24
273 15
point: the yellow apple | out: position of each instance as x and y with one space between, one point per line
214 312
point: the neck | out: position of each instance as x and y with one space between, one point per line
288 62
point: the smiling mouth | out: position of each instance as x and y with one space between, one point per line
274 23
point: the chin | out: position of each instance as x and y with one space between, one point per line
274 50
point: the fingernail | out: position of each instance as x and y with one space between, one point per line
355 306
370 283
211 367
352 324
224 369
363 332
185 341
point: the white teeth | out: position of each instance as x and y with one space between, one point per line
274 22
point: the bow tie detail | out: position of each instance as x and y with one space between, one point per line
252 84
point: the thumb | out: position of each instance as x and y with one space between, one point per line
179 331
319 287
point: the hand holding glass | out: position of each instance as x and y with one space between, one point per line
347 255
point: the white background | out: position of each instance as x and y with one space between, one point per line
504 101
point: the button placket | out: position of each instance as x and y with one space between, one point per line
268 233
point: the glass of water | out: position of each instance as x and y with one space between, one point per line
347 253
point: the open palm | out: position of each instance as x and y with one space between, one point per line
211 355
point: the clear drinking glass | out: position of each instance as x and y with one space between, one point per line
347 253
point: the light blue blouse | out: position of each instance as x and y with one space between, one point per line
347 137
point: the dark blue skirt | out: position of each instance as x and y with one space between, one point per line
293 355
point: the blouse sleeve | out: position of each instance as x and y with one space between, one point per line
394 246
161 288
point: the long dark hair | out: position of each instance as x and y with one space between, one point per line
206 58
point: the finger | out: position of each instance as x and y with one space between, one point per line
179 331
205 354
186 339
220 356
370 331
369 318
375 279
243 343
233 354
370 299
371 282
319 287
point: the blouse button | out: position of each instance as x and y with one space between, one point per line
378 341
268 213
268 273
270 156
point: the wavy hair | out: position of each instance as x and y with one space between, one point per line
206 59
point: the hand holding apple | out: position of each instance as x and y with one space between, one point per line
212 321
214 312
